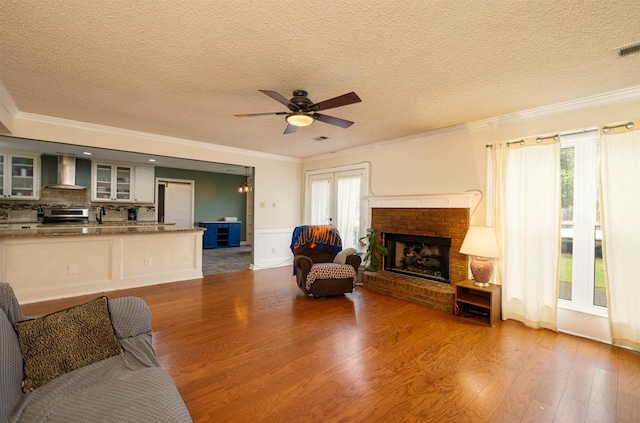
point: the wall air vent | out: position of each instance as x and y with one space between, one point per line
628 50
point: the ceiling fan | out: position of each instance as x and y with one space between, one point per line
303 112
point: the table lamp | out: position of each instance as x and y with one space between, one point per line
480 243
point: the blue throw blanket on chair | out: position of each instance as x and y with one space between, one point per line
318 237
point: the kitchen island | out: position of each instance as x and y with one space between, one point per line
46 262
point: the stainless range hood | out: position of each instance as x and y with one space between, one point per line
66 173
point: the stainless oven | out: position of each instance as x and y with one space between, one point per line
68 215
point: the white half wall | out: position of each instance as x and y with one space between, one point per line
41 268
272 248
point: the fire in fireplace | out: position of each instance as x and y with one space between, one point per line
421 256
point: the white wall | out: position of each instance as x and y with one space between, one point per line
454 160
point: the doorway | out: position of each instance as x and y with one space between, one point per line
338 197
175 201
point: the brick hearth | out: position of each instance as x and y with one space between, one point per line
436 295
436 222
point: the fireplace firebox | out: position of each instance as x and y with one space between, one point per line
420 256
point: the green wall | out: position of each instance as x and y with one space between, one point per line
49 173
216 194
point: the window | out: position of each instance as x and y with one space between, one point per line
582 283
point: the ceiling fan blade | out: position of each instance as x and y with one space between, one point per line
260 114
339 101
290 129
333 120
281 99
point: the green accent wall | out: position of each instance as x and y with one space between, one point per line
216 194
49 173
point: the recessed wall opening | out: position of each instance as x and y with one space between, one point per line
420 256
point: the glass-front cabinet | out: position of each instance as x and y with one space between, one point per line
111 182
125 182
19 176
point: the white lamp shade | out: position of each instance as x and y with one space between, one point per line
300 119
481 242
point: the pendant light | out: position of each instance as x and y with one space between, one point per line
244 188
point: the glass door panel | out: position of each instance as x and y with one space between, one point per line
1 175
348 209
22 177
567 156
320 207
123 183
599 286
103 182
582 282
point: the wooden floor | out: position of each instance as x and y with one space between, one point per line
248 346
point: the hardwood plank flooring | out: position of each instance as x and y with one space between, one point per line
248 346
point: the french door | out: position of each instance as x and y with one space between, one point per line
336 198
582 280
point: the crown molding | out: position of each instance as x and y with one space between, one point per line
612 97
6 101
597 100
110 130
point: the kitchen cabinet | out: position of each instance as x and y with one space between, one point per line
121 182
219 234
210 239
145 184
111 182
234 234
19 176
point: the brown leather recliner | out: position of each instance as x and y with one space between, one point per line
322 287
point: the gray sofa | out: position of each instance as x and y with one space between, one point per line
128 387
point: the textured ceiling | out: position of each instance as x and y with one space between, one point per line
183 69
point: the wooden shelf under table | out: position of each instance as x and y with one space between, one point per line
480 304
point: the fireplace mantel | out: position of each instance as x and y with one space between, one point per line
428 201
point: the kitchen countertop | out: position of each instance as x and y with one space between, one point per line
108 228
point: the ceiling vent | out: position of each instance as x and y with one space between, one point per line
628 50
320 138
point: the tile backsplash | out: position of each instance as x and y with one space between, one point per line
27 211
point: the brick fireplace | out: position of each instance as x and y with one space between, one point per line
443 222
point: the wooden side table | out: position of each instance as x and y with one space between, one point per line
480 304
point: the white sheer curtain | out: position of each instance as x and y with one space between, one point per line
320 200
620 181
527 217
348 209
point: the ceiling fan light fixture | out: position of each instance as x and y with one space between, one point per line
300 119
